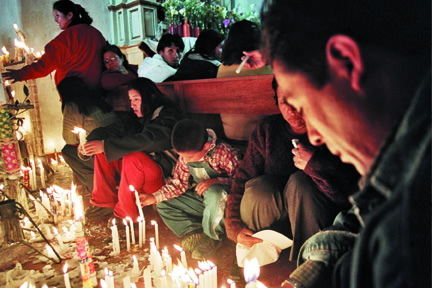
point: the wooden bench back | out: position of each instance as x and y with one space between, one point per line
237 95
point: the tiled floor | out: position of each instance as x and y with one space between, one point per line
99 237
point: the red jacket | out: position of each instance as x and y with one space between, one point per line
76 51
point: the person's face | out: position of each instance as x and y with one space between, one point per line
294 119
171 55
135 99
112 61
194 156
61 19
331 117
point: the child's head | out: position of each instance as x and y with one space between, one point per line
189 139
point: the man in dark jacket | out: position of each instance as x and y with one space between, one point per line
359 73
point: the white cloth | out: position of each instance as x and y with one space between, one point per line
155 69
265 252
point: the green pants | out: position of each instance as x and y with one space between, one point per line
191 212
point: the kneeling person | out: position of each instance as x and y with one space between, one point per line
193 203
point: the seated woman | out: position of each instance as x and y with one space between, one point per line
83 110
139 152
116 76
243 36
202 61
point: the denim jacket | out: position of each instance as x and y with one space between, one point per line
393 210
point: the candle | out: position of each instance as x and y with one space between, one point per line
132 230
66 276
251 274
135 267
50 251
111 280
164 282
144 230
167 260
5 56
33 174
182 255
140 228
153 222
103 284
54 164
82 135
242 64
137 201
231 283
42 173
126 282
213 273
147 278
19 33
200 278
127 235
82 214
115 237
59 238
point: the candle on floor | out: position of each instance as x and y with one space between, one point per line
103 284
147 278
164 282
182 255
200 278
126 282
167 260
231 283
213 273
135 267
132 230
59 238
66 276
137 201
153 222
127 235
139 232
33 174
42 173
251 274
115 238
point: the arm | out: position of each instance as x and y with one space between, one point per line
334 178
111 80
155 136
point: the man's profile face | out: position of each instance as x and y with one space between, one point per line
330 117
171 55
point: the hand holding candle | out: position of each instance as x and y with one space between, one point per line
238 70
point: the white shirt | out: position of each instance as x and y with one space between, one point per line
155 69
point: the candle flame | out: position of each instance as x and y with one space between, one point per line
153 222
78 130
128 218
251 270
55 231
124 222
133 285
20 44
7 83
131 188
13 94
5 51
198 271
65 268
15 26
178 248
203 265
114 221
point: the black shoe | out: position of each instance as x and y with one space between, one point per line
206 248
95 212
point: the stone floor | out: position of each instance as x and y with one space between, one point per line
43 271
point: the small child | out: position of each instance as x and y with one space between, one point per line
192 203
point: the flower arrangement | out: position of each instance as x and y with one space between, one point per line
206 14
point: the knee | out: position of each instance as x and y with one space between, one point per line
259 190
300 185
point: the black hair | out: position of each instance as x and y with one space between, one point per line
295 32
151 96
243 36
116 50
189 135
275 88
80 15
206 44
168 40
74 90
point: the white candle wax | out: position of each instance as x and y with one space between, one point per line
164 282
156 233
115 237
140 232
111 279
42 174
132 230
66 276
147 278
33 174
126 282
144 230
137 201
59 238
127 235
135 267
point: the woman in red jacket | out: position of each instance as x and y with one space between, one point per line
72 53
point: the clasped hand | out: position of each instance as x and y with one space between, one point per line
302 155
91 148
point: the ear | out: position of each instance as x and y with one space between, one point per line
69 16
344 59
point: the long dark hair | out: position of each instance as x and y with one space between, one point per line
116 50
80 15
206 44
74 90
151 96
243 36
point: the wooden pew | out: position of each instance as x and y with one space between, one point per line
237 95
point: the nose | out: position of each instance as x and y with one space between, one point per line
315 138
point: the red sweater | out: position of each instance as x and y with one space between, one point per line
76 51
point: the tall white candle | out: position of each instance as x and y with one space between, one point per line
132 230
127 235
213 273
33 174
80 199
140 232
144 230
111 279
104 284
115 237
42 174
200 278
167 260
135 267
147 278
153 222
66 276
126 282
164 282
182 255
137 201
59 238
231 283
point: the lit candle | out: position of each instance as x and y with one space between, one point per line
135 267
54 164
182 255
153 222
132 230
115 237
66 276
251 274
111 279
126 282
213 273
167 260
200 278
137 201
147 278
50 251
59 238
5 56
82 135
231 283
140 228
82 214
42 173
19 33
164 282
103 284
127 235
